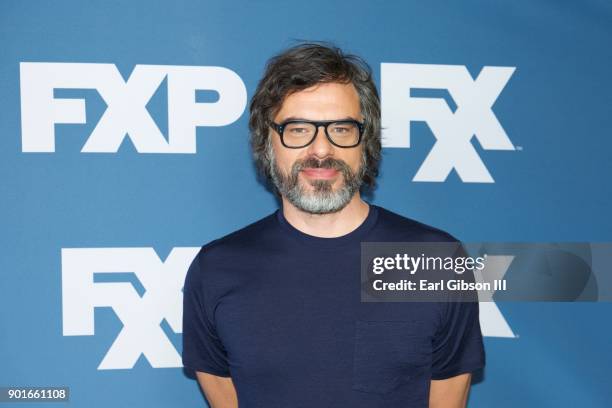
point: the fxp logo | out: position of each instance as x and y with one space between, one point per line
453 131
126 113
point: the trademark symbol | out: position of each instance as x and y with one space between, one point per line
518 148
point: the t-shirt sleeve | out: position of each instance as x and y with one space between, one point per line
202 349
458 346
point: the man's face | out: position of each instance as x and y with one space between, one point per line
319 178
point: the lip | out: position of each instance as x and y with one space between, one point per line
320 173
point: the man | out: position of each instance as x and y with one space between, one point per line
272 312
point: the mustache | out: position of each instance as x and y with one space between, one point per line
328 163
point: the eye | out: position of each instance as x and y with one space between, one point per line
341 129
298 130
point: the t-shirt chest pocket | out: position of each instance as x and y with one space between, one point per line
388 354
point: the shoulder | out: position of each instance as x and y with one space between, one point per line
239 242
410 229
218 260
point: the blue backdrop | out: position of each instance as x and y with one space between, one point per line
76 225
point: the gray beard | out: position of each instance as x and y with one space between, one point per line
323 199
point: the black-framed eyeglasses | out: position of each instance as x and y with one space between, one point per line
295 134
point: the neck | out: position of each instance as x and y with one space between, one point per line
329 225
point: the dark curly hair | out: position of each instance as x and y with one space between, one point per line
301 67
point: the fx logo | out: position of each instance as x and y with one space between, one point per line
126 101
453 131
141 315
492 321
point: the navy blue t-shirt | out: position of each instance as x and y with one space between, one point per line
279 311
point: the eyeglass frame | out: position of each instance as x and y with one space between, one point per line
280 128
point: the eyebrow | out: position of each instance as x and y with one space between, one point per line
311 120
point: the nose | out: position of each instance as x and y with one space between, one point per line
320 146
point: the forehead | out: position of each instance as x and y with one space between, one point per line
322 102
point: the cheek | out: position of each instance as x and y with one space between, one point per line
285 163
284 157
354 160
